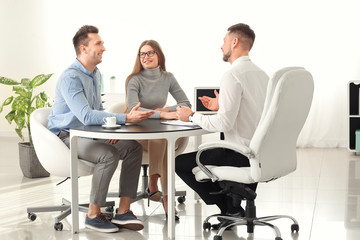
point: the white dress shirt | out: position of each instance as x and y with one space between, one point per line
241 101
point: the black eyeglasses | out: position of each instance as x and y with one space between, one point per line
149 53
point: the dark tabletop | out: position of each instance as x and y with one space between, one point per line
147 126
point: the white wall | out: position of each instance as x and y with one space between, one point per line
320 35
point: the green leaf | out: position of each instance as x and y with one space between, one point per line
20 119
26 83
10 116
18 131
8 100
30 110
40 79
21 91
43 96
8 81
39 103
20 103
17 88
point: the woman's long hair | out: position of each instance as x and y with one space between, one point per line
138 67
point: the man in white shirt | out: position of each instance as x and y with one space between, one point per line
239 106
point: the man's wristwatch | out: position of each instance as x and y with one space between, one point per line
190 117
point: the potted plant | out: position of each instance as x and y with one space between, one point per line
22 105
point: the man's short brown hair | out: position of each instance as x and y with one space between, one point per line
245 34
81 37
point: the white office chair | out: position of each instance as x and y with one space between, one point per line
120 108
54 156
272 150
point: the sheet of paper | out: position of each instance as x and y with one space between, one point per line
179 123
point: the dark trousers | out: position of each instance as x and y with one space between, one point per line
219 157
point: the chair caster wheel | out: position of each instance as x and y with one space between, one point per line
109 209
295 228
58 226
181 199
278 238
206 226
32 216
216 237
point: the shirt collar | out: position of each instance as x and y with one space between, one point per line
241 59
78 65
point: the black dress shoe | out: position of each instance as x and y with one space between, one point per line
176 216
219 225
225 222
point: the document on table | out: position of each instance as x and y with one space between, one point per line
180 123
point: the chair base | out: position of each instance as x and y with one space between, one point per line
250 220
65 210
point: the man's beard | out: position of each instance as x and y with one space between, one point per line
227 56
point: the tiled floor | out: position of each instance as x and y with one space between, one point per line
323 194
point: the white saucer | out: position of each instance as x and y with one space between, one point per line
111 127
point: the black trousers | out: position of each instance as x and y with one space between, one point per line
219 157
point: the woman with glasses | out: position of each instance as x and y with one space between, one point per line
150 83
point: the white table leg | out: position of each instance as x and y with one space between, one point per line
197 143
74 184
171 187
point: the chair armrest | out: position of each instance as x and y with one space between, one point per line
244 150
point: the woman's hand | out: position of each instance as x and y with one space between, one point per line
113 141
163 109
168 115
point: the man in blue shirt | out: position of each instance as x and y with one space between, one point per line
78 102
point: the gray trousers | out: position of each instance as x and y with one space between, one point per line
106 156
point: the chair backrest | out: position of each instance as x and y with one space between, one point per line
117 108
274 141
52 153
271 87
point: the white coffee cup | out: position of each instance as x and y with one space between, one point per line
109 121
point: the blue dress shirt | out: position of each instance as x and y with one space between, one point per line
78 100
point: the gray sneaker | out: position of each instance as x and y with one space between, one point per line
100 223
128 220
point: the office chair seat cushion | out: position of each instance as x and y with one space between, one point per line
52 153
227 173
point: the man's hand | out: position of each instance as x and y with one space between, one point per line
183 113
211 103
135 116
